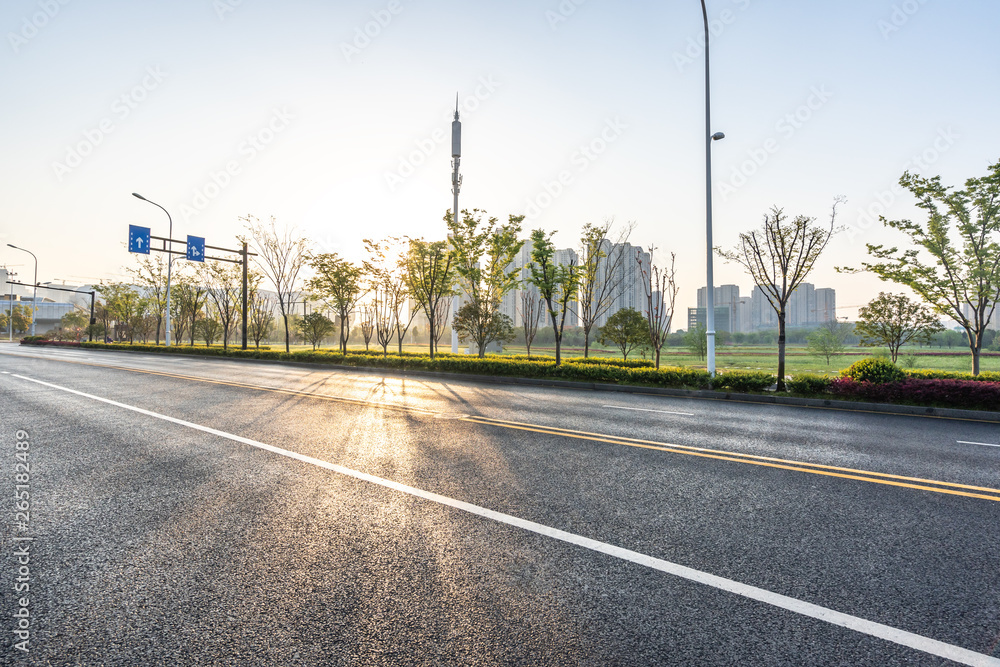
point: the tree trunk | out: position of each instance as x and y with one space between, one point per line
558 342
976 348
781 349
431 330
287 338
586 342
657 358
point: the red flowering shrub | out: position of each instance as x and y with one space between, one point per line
963 394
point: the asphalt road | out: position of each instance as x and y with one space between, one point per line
190 511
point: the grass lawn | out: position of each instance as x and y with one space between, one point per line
798 359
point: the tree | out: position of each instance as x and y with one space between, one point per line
225 289
530 309
386 268
339 283
315 327
778 257
602 274
894 320
280 255
484 254
260 309
829 340
21 316
626 329
151 276
556 283
660 285
367 324
74 323
430 279
126 306
955 264
696 340
189 298
472 324
209 329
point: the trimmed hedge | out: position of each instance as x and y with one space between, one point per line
984 376
42 340
744 381
809 384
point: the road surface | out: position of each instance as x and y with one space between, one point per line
205 511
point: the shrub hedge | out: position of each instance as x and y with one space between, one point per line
916 387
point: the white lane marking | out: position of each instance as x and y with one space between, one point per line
666 412
984 444
886 632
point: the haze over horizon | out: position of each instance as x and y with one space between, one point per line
336 119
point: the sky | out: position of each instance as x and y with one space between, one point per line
335 118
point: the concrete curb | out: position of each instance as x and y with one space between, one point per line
822 403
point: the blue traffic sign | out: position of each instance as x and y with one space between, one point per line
138 239
196 248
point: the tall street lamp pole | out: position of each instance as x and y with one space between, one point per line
709 138
170 261
34 289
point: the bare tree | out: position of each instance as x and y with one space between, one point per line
281 254
602 274
260 309
778 257
660 286
386 267
151 275
225 290
530 310
367 324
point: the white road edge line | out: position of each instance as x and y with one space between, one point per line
984 444
666 412
871 628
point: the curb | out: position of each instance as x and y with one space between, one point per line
821 403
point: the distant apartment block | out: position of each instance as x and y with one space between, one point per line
807 307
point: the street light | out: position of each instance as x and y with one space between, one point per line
709 138
34 289
10 307
170 261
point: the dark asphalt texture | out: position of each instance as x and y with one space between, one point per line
156 544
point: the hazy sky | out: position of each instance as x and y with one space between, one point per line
334 117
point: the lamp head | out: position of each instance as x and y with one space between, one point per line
136 194
715 137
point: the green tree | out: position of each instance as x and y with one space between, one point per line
954 264
894 320
75 323
21 316
188 297
339 283
484 253
696 340
315 327
430 276
779 257
209 328
626 329
556 283
829 340
151 276
127 307
471 324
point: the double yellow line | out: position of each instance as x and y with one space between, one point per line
918 483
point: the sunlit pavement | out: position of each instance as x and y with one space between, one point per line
203 511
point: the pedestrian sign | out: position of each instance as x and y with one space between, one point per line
196 248
138 239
